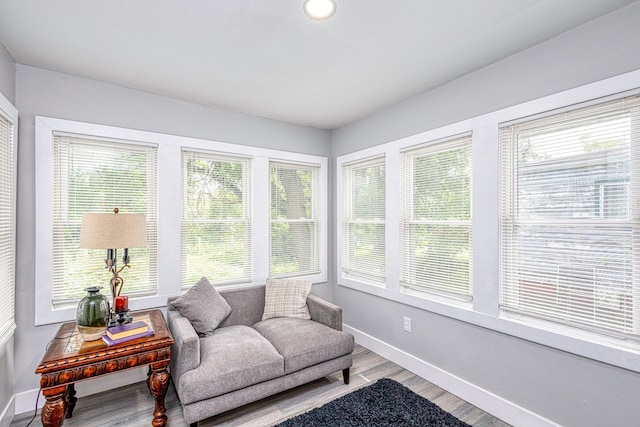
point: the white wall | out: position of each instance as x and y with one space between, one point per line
46 93
7 88
7 75
558 386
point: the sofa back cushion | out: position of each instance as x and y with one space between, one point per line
247 305
286 298
203 306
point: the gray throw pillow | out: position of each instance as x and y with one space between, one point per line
203 306
286 298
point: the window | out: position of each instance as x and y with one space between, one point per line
363 227
207 205
294 230
569 234
98 175
522 221
8 117
216 218
436 218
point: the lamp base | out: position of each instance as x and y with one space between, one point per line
120 318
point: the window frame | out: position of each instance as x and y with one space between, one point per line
314 219
408 220
511 293
348 219
10 113
169 207
70 142
246 218
484 309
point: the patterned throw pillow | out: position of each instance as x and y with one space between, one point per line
203 306
286 298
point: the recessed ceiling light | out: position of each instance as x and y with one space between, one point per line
319 9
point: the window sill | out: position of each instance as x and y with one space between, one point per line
602 349
68 312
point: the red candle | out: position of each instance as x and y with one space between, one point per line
122 304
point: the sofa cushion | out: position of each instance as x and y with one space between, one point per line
304 343
232 358
203 306
286 298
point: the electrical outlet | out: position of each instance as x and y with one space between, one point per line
407 324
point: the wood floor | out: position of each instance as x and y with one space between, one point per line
132 406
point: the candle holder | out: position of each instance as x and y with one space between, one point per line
120 318
120 311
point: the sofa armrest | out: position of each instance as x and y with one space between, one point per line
185 352
325 312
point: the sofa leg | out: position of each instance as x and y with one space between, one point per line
193 424
345 375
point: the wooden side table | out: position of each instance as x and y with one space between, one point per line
69 359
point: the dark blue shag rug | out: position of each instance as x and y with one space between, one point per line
384 403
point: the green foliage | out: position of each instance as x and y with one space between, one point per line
438 242
217 233
442 185
293 225
101 186
291 193
215 189
441 253
368 192
366 211
216 250
368 251
98 182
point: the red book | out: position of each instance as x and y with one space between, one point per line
108 341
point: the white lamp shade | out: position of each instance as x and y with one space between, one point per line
113 231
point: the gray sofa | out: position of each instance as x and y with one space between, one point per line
246 359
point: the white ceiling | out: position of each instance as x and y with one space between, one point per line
266 58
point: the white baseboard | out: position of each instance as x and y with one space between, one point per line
497 406
7 413
26 401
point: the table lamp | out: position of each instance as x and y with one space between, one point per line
112 231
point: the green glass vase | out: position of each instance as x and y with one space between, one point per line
92 315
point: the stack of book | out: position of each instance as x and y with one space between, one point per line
127 332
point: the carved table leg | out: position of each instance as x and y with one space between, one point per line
158 384
53 412
71 399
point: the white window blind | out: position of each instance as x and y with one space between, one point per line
295 231
7 226
570 254
436 218
96 175
363 228
216 218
